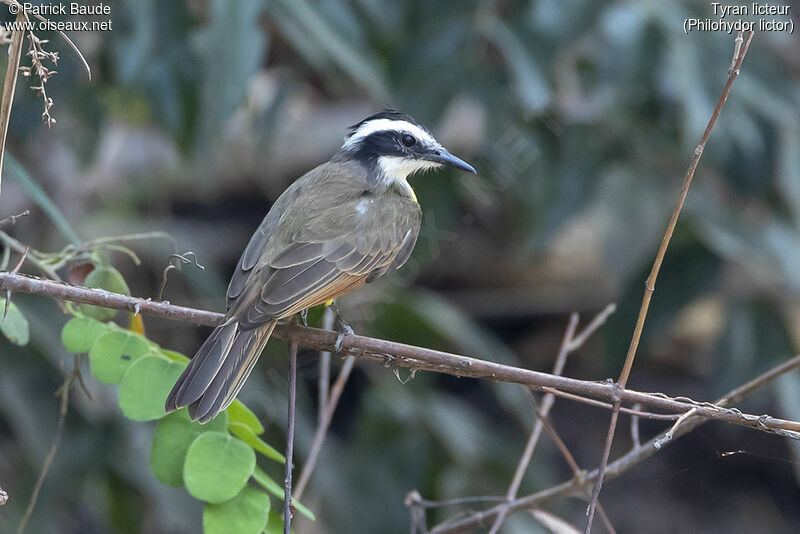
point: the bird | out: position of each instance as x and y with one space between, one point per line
340 226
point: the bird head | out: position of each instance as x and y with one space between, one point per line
395 146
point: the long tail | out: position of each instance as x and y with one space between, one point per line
219 369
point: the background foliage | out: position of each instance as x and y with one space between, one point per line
580 118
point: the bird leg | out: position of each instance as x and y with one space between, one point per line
341 325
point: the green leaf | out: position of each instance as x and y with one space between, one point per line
217 466
145 386
175 356
275 524
14 325
38 195
239 413
245 433
171 440
80 333
108 278
247 513
274 488
113 353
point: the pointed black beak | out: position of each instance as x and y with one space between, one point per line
443 156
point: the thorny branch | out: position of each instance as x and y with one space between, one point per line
393 354
650 283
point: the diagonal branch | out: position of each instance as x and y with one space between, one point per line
650 283
581 486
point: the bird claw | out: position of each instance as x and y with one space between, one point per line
346 330
304 317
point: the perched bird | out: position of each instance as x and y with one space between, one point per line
339 226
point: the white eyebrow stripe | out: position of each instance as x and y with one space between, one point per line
380 125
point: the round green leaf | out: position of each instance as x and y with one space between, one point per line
171 439
14 325
80 333
217 466
239 413
108 278
247 513
113 352
245 433
145 386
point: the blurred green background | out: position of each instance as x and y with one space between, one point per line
580 117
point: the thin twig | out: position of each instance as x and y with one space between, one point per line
322 428
598 321
10 83
533 439
11 220
324 381
287 481
21 10
651 279
15 245
577 472
63 392
569 343
581 486
400 354
608 406
635 436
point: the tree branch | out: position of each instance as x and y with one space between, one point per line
650 283
399 354
581 486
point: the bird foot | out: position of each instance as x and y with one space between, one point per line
345 330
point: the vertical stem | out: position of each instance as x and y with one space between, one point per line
324 368
10 83
287 481
650 283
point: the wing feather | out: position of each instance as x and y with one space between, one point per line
306 253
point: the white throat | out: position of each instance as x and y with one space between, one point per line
396 170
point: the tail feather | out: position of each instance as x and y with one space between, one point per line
202 369
219 369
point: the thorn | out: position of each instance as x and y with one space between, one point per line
15 270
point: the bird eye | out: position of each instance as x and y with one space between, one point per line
409 140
